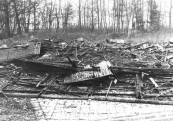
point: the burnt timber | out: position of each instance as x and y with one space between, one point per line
64 73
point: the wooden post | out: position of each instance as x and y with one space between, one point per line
44 80
138 83
109 88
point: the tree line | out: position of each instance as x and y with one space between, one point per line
119 16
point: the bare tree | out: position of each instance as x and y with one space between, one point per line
98 15
154 15
79 12
50 12
58 14
35 10
7 22
124 14
87 15
170 15
92 16
67 14
104 16
28 17
19 31
118 16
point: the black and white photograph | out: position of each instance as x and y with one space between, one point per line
86 60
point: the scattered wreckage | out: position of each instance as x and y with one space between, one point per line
111 71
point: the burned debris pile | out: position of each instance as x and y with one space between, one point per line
112 71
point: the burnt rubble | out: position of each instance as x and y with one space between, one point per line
109 71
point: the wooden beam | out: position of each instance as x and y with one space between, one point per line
111 99
44 80
109 88
153 82
138 83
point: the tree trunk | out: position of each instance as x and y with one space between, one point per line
28 20
79 14
122 21
92 12
57 20
51 10
34 15
87 14
118 16
170 17
19 31
7 26
114 15
58 14
98 15
84 14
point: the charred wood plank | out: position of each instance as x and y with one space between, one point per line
29 78
36 65
44 80
153 82
81 55
2 93
33 84
156 95
73 64
75 93
150 71
74 80
110 99
124 70
28 91
46 88
109 88
132 100
117 93
117 88
65 92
